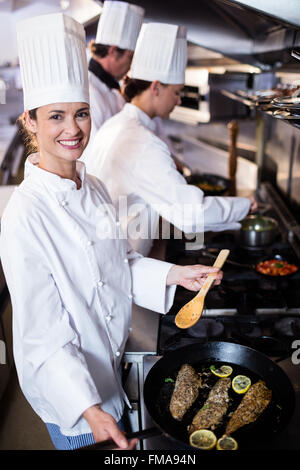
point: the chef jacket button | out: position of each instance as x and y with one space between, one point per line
89 243
130 296
108 317
117 223
100 283
118 353
63 203
125 260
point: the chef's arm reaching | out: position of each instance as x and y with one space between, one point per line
184 205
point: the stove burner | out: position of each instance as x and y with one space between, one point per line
206 328
247 297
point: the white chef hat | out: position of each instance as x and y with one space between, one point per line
119 24
160 54
53 63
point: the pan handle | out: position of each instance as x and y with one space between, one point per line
110 444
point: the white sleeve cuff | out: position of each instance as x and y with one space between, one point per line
149 277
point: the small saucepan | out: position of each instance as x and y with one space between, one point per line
258 230
210 184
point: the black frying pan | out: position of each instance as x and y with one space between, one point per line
210 184
244 360
277 256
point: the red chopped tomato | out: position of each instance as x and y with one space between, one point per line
274 267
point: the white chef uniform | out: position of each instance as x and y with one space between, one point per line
106 101
71 287
119 26
72 295
134 163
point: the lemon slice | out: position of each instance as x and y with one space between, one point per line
203 439
223 371
241 383
227 443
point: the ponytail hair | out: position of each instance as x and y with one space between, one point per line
134 87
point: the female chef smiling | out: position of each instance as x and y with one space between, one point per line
135 163
71 292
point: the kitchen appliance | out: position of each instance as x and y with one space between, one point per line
247 309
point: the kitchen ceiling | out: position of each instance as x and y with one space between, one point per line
262 33
232 28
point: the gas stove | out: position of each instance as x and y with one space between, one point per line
246 308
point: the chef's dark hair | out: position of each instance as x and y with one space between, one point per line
134 87
101 50
29 137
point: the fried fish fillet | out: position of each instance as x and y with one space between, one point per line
251 407
185 392
215 407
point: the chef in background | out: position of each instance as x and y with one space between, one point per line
136 164
71 285
112 52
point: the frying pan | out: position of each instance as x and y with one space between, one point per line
243 359
200 178
253 266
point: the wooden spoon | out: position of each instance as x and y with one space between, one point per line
190 313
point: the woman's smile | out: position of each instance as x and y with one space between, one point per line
71 144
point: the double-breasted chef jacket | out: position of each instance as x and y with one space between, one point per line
134 162
72 295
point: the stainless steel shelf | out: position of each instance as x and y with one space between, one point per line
259 107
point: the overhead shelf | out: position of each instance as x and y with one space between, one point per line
264 108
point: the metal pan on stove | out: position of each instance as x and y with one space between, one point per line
210 184
278 257
276 267
243 360
258 230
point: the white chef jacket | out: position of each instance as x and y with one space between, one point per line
105 102
133 162
72 295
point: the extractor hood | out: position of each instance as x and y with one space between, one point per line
258 32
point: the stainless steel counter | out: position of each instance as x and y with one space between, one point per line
141 344
143 336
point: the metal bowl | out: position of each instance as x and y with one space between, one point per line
258 230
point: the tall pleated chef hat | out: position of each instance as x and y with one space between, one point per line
53 63
119 24
160 54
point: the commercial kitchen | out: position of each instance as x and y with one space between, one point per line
237 131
